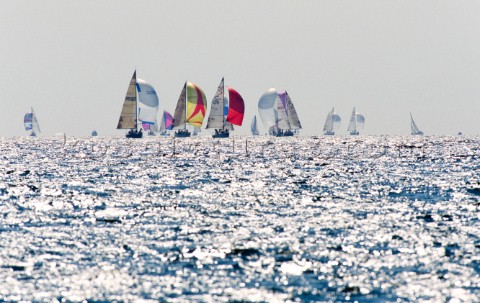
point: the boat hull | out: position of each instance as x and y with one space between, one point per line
354 133
221 134
329 133
134 135
182 134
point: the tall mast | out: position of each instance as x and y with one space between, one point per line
186 101
223 102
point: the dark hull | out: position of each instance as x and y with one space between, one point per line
134 135
329 133
182 134
354 133
221 134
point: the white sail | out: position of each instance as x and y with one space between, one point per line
292 114
328 126
266 106
179 120
413 127
336 121
352 126
128 116
360 121
35 125
148 103
254 127
216 119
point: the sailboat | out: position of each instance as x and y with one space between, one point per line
166 124
30 122
191 108
278 113
357 121
332 123
133 112
413 127
253 126
224 112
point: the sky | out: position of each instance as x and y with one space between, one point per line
72 60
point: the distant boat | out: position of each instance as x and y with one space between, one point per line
254 127
225 112
166 124
278 113
30 122
332 123
191 108
196 130
357 122
140 106
94 133
413 127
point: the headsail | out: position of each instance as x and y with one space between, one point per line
292 113
236 107
266 106
196 105
147 105
217 117
180 111
328 127
128 116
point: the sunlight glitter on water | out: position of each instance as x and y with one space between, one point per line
296 219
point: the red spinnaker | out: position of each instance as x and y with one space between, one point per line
236 107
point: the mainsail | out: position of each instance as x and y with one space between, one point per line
217 115
253 126
413 127
30 122
352 126
266 106
179 120
147 105
282 121
292 113
128 116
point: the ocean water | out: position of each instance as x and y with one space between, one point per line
307 219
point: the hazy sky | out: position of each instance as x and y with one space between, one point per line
72 60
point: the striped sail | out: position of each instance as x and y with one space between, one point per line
236 107
128 116
196 105
179 120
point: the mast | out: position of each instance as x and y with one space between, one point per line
185 124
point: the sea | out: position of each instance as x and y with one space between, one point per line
244 219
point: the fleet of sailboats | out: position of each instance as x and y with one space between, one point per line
225 112
276 109
30 122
